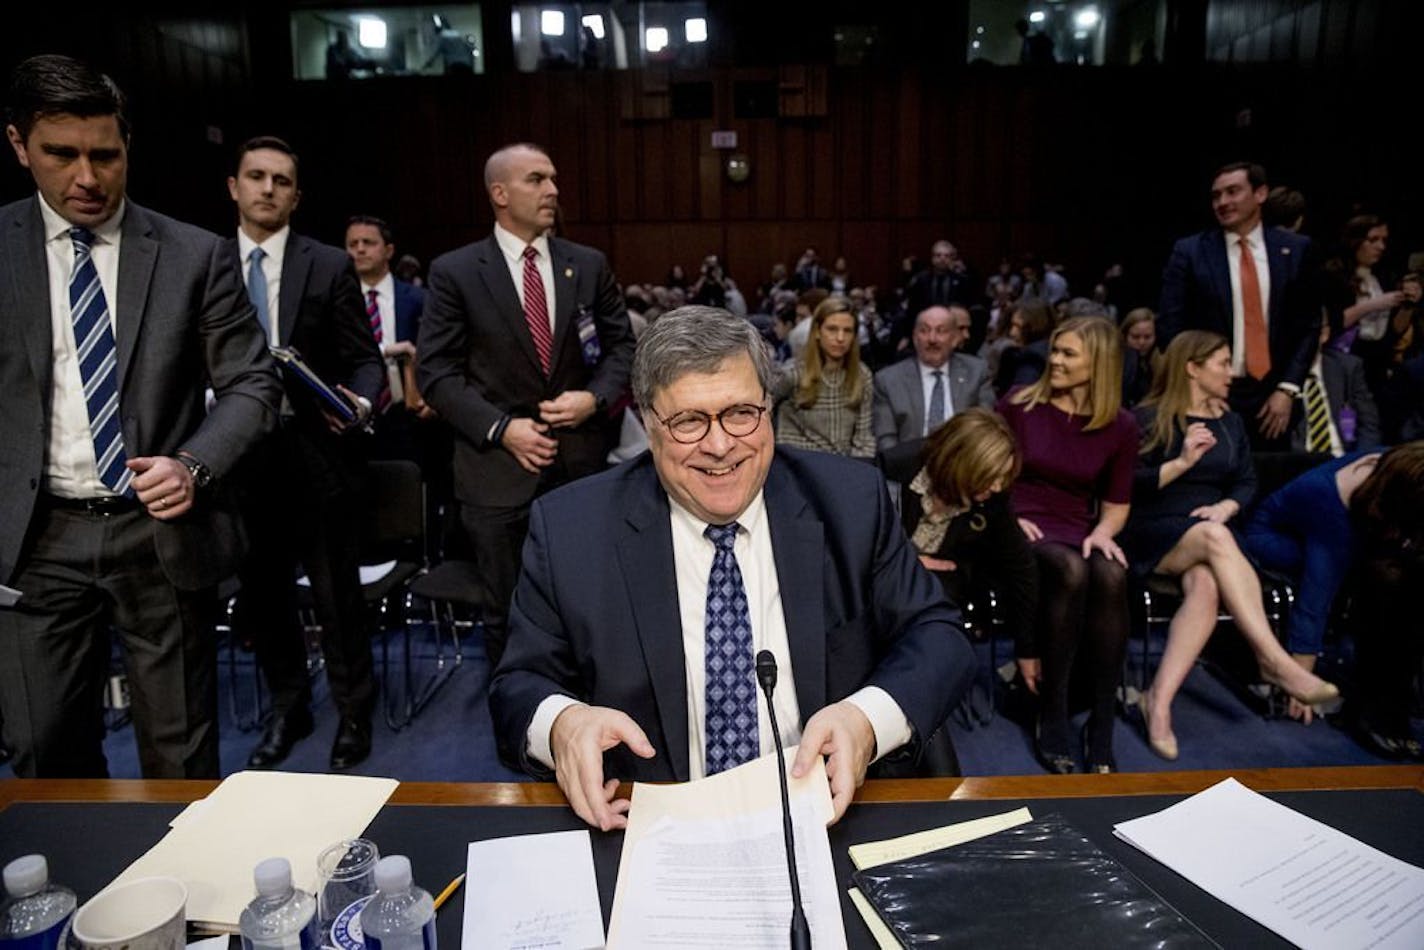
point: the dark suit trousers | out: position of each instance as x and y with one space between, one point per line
1246 399
85 574
302 504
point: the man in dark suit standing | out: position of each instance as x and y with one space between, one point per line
647 592
304 488
393 308
116 319
1257 286
525 345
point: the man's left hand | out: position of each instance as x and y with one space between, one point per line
1275 414
843 734
163 484
339 425
568 409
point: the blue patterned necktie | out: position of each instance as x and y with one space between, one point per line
98 365
731 735
936 414
257 290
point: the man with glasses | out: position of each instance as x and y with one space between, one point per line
647 591
915 397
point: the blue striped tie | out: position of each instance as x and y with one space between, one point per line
731 715
98 366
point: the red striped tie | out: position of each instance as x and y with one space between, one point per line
373 313
536 309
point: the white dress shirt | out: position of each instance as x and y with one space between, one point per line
692 559
1257 239
71 470
927 381
275 247
513 249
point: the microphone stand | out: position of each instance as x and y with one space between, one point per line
800 930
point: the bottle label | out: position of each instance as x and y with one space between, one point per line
427 937
308 938
346 928
47 939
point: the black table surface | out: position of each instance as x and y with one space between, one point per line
88 844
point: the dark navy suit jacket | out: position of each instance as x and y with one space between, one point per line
595 614
410 303
1196 295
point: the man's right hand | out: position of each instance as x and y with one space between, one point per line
579 737
525 439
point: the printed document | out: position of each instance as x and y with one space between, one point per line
1317 887
704 863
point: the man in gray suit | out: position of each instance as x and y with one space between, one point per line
1345 419
113 514
914 397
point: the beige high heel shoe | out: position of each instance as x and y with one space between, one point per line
1166 748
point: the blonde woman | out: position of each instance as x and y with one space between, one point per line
1194 476
825 399
957 513
1073 497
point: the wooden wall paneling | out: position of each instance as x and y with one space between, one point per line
868 248
737 197
656 177
682 154
766 184
854 143
710 180
792 178
886 148
823 155
907 127
600 160
943 158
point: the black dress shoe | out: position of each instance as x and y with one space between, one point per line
353 743
282 732
1387 747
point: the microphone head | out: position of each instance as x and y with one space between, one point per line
766 669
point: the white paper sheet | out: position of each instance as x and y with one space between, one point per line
256 815
1315 886
704 863
532 891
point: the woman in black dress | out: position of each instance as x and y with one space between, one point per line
1194 476
956 511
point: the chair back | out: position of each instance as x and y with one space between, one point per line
395 524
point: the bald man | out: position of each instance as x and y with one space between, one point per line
525 344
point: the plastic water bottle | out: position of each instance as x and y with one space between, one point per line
35 912
280 917
401 916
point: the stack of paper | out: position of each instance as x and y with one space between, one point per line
1317 887
215 843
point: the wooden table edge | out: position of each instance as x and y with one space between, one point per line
970 788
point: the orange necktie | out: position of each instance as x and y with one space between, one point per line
1257 342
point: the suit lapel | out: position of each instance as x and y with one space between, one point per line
1220 272
296 266
798 548
565 294
646 558
493 270
138 255
1277 261
30 284
914 398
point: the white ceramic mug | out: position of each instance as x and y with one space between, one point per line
146 914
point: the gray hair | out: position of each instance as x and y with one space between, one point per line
1084 307
694 339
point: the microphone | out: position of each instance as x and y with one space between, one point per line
800 931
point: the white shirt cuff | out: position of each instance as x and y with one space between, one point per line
537 741
888 721
1290 388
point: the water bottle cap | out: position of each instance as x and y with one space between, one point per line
393 873
24 876
273 877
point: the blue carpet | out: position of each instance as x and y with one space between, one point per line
452 739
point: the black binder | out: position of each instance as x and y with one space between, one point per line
1040 884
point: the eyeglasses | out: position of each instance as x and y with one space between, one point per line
693 425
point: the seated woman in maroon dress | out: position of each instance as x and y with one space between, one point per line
1079 451
1194 476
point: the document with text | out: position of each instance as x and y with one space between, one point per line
704 863
1315 886
532 892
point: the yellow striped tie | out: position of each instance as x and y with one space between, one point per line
1317 417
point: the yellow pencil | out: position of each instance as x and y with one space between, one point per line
450 888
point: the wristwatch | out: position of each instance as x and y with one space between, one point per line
202 475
